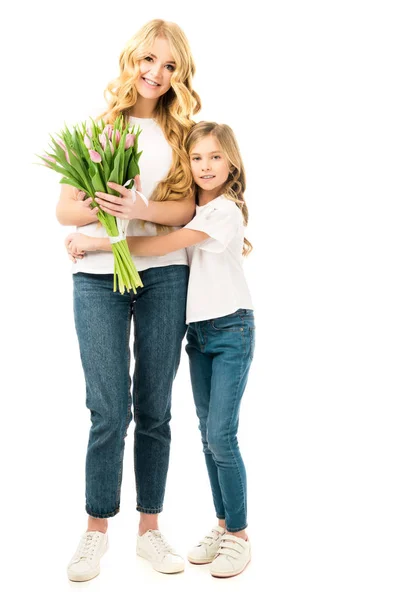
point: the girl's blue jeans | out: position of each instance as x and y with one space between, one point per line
103 323
220 353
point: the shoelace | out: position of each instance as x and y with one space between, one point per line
88 546
160 543
210 538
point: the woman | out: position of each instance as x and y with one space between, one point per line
154 90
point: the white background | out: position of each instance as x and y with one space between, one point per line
312 91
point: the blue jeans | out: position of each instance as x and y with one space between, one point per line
220 353
103 322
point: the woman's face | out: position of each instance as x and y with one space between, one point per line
209 165
156 71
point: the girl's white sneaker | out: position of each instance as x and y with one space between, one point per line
206 550
85 563
232 558
153 546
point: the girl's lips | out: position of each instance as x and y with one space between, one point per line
149 84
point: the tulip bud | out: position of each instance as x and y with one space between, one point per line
108 130
129 140
117 137
95 156
67 157
87 141
89 131
61 144
103 140
49 158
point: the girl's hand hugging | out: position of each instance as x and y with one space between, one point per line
78 244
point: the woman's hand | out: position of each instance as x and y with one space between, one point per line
78 244
124 206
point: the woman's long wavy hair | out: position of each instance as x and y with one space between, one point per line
175 108
235 185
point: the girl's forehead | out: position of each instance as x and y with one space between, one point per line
208 143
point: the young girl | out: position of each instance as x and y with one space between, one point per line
221 327
154 90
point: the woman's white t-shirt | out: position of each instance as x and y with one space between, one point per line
154 164
217 285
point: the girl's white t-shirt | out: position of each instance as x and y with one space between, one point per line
154 164
217 285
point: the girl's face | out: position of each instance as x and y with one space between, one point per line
210 167
156 70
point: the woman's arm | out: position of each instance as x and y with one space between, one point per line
76 243
171 212
72 209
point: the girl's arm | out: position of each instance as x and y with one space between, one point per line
72 209
171 212
76 243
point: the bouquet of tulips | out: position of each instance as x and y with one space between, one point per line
88 157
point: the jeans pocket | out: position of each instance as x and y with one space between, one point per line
231 322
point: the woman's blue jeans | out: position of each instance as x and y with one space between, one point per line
220 353
103 322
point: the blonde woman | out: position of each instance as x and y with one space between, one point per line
154 90
221 333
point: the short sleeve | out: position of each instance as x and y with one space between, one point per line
220 223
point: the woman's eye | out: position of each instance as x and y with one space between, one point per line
216 156
170 68
196 158
148 58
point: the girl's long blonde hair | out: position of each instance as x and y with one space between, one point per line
175 108
235 185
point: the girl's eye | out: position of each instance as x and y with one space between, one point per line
170 68
216 156
196 158
148 58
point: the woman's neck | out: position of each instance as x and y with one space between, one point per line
144 108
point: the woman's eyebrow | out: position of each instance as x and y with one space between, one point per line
168 61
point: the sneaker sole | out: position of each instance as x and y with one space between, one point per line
226 575
166 570
82 578
205 561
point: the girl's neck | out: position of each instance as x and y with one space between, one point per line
205 196
144 108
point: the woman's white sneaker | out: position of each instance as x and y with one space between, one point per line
85 563
153 546
232 558
206 550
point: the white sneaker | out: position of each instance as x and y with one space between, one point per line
153 546
85 563
206 550
232 558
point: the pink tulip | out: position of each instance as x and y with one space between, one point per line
108 130
117 137
61 143
87 141
89 131
95 156
103 140
112 148
129 140
49 158
67 157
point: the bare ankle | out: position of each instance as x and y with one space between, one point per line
95 524
147 521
